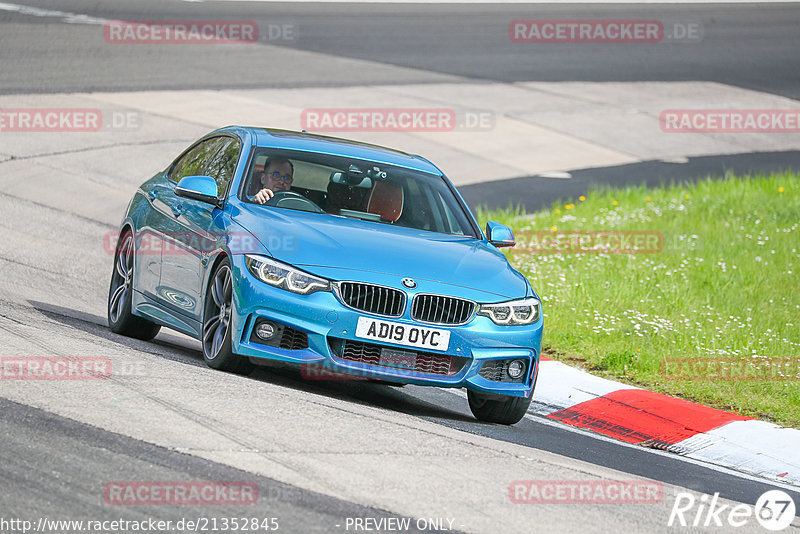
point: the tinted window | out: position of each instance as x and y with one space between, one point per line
223 164
371 191
195 161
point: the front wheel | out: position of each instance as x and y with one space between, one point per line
217 351
494 409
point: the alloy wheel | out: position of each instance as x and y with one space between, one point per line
123 279
218 313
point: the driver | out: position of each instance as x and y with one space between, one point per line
277 176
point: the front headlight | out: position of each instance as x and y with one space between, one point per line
284 276
513 312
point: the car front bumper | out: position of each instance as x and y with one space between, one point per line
328 323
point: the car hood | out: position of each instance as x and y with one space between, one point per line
336 247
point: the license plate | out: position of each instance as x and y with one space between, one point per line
403 334
398 358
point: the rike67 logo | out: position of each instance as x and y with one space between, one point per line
774 510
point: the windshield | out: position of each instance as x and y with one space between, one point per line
358 189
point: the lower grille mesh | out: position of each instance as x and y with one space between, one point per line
293 339
495 370
285 337
370 353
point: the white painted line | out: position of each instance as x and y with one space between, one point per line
69 18
555 174
600 437
753 446
560 386
694 461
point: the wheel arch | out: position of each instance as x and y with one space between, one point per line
219 258
209 274
127 226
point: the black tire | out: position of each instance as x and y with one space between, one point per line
120 292
216 336
494 409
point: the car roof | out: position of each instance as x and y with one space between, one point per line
321 144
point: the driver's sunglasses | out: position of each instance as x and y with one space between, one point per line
277 176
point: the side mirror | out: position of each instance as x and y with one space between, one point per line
499 235
202 188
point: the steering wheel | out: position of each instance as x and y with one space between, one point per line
293 200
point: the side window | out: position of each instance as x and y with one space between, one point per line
194 162
223 165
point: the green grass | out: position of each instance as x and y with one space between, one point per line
724 287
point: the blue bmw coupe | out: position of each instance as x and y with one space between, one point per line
272 245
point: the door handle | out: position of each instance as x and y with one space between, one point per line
176 210
153 194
